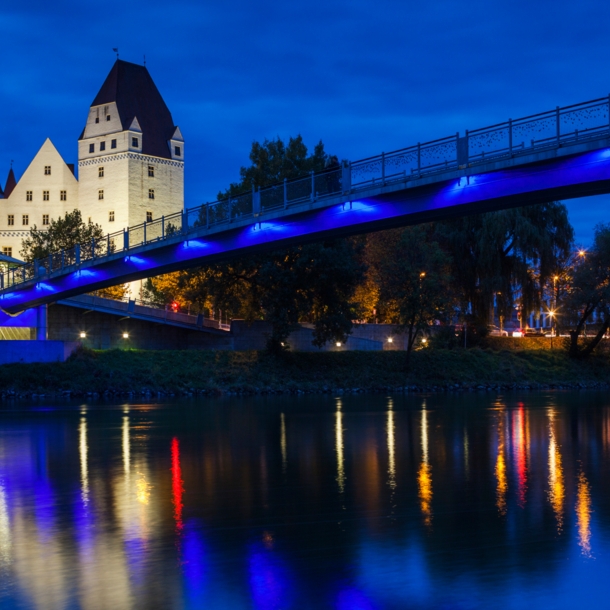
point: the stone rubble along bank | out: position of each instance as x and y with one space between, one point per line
268 391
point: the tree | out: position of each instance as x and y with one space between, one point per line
502 256
62 234
588 295
310 282
412 273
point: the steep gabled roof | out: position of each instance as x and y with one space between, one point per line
11 183
131 87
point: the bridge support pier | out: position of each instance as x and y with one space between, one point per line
41 323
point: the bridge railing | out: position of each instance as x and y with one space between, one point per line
547 130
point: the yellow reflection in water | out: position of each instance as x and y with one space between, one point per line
557 490
339 447
142 489
424 475
84 476
283 442
391 447
500 470
5 529
583 514
126 444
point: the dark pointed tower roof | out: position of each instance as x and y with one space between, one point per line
131 87
11 183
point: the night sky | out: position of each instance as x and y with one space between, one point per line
364 77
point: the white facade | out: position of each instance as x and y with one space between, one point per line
118 184
48 189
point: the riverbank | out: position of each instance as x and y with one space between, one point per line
171 373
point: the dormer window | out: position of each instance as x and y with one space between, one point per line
177 151
135 142
107 117
97 119
47 170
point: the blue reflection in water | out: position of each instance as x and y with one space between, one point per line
352 599
195 566
270 581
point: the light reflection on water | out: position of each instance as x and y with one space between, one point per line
353 502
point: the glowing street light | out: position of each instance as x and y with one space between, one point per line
83 335
125 335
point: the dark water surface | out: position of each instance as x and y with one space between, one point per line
352 503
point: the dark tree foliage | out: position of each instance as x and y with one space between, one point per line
306 283
412 275
507 255
62 234
587 292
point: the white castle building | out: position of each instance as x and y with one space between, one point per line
130 165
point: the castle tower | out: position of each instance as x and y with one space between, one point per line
130 154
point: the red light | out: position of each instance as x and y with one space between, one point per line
175 306
177 488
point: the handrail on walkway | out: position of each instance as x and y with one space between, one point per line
512 138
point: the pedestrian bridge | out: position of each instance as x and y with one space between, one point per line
559 154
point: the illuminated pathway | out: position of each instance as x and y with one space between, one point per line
560 154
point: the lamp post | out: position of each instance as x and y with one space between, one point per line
552 316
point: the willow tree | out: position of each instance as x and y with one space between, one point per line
506 256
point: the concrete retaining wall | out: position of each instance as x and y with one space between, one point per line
35 351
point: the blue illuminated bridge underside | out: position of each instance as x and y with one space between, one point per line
573 170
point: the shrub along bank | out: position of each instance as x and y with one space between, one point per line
122 372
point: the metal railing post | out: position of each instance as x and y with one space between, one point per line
419 158
1 281
92 249
77 254
557 119
144 233
162 227
313 186
108 245
346 177
510 137
185 222
126 239
285 194
382 169
207 215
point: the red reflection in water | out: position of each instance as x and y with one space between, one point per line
520 446
177 488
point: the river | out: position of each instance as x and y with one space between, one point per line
441 501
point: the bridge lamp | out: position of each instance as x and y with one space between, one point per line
125 335
390 340
83 335
338 344
582 253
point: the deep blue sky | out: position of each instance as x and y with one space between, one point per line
363 76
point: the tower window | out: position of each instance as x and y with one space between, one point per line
100 194
25 220
63 195
177 151
135 142
107 117
7 251
91 148
100 172
111 216
11 220
97 119
102 145
151 171
47 170
112 143
151 193
28 195
45 195
45 219
148 216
